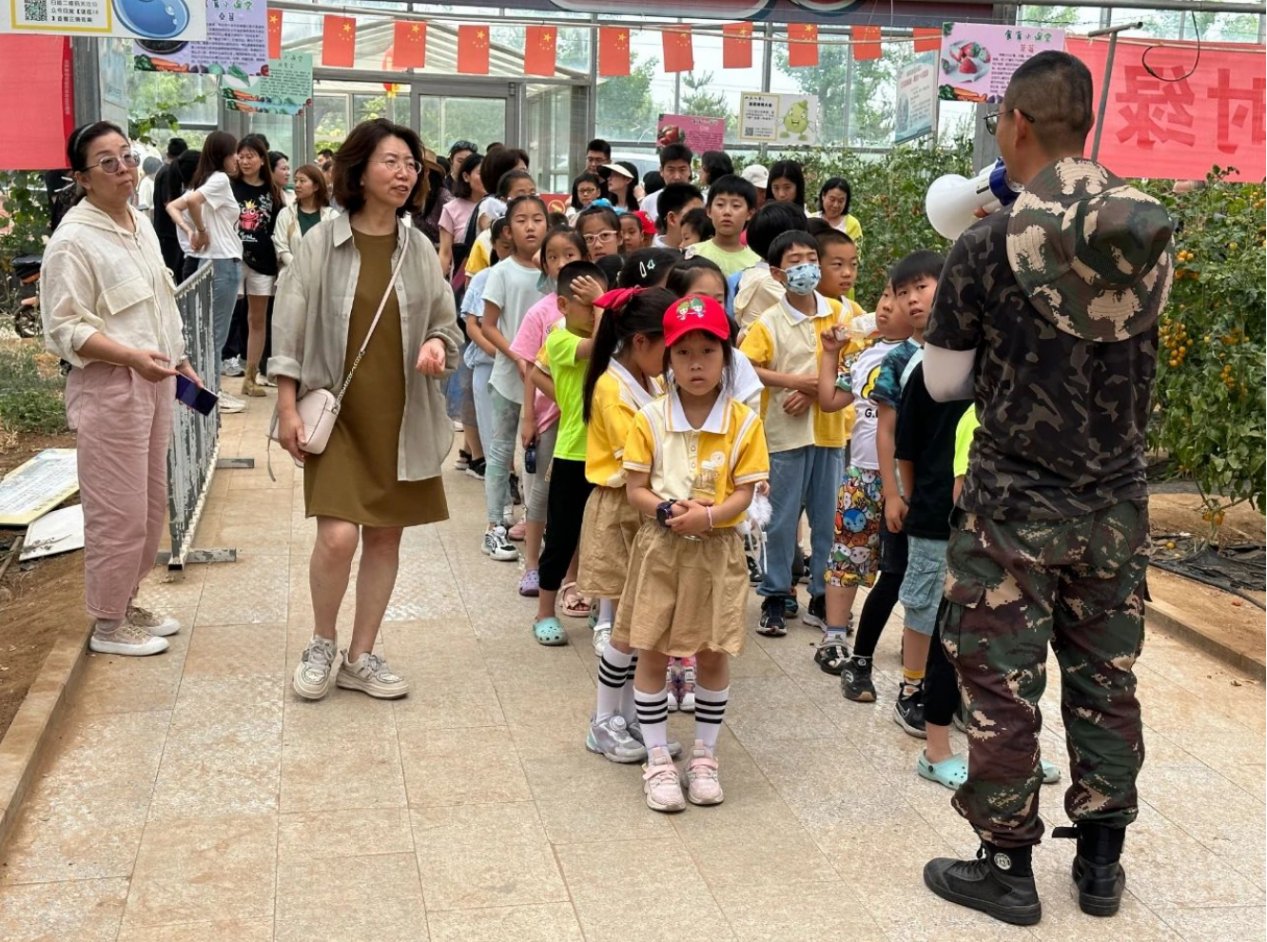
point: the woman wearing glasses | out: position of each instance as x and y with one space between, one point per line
380 471
109 310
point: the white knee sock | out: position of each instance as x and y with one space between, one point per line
653 714
710 710
606 613
613 670
628 708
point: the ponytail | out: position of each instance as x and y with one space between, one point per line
633 311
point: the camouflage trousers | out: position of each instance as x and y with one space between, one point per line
1013 587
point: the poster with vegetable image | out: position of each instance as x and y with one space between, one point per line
773 118
237 43
977 61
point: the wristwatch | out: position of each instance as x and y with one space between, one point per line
664 513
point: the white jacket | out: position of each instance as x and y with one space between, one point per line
286 232
99 278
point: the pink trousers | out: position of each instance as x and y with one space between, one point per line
124 426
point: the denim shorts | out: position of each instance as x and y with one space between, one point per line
923 584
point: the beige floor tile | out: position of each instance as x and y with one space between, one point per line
768 708
756 856
676 910
223 651
320 835
1215 923
642 868
113 684
478 856
388 920
228 770
196 870
460 766
584 820
550 922
445 694
361 769
811 912
79 910
304 884
236 930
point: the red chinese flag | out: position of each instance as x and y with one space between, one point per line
802 45
338 41
473 50
274 34
613 51
539 50
866 43
736 46
679 52
409 49
927 39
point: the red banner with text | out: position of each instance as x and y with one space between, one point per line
1179 125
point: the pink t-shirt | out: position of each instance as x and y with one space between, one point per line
529 340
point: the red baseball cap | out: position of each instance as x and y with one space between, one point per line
694 312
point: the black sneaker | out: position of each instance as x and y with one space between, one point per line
790 605
855 680
772 624
1097 871
516 497
908 712
754 573
999 883
816 612
475 468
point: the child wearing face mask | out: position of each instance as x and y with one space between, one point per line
806 444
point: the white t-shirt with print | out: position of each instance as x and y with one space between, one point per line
858 378
220 217
513 288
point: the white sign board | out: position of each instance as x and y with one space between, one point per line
773 118
169 23
916 111
62 531
33 489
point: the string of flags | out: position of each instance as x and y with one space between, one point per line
409 49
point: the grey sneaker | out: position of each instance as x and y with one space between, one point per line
635 730
160 626
312 676
370 674
232 367
609 737
230 405
497 546
127 640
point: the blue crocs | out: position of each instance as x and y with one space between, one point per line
1051 773
549 632
951 772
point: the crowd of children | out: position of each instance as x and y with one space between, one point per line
683 390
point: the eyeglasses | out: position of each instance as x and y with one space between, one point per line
394 164
601 238
112 164
992 119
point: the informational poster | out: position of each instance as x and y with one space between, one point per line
113 66
1202 112
916 108
286 89
696 132
977 61
32 489
169 20
237 43
773 118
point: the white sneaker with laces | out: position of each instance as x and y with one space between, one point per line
661 783
160 626
370 674
232 367
497 546
703 787
127 640
312 676
602 637
230 405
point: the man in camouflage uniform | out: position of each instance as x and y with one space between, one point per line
1047 316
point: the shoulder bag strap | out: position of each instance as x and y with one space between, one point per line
391 286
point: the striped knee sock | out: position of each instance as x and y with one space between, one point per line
653 714
710 710
612 670
629 709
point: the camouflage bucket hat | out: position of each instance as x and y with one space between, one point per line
1093 253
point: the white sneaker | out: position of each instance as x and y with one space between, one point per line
686 702
127 640
602 637
230 405
497 546
160 626
232 367
661 783
264 379
312 676
370 674
703 787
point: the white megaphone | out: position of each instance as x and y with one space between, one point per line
952 201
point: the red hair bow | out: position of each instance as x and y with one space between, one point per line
616 299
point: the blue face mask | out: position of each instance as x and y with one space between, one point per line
803 279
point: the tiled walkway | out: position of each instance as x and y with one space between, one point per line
192 797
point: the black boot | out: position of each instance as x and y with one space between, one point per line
1097 872
999 883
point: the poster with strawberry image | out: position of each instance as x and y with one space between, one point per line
977 61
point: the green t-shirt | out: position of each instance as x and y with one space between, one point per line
307 220
728 262
963 441
569 382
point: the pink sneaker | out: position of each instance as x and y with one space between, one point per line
702 784
660 782
519 531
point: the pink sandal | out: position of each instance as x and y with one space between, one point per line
574 605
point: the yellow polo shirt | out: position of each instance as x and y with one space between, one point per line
663 444
617 398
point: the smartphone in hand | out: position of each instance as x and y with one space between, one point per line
198 399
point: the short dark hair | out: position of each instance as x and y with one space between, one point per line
1055 89
652 182
574 270
836 183
586 177
672 152
321 192
187 166
462 187
176 146
816 225
600 145
354 156
921 264
672 198
559 221
497 163
698 220
508 180
646 268
732 185
786 240
685 273
787 170
325 152
831 237
716 163
771 220
495 232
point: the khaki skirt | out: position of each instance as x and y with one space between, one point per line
684 596
607 535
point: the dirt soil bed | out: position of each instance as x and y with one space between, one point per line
35 600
